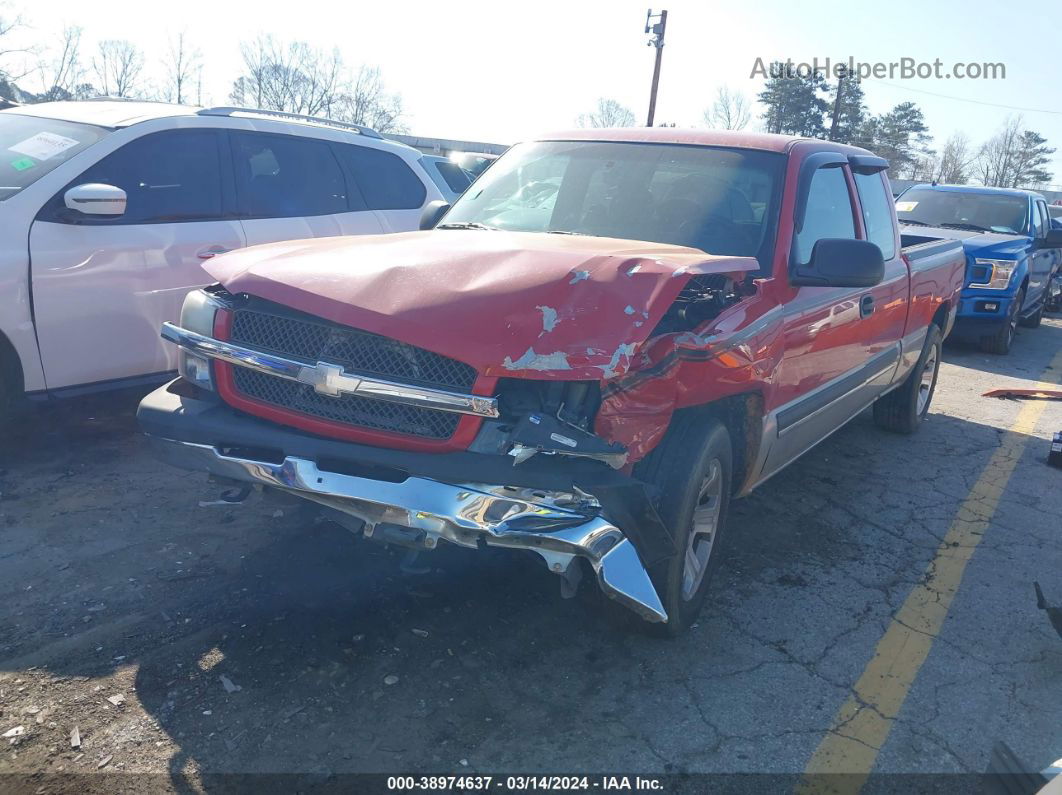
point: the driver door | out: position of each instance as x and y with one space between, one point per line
103 285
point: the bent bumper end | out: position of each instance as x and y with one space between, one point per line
559 527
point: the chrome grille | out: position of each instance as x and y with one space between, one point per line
357 351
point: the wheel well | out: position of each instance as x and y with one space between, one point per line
743 417
940 317
10 364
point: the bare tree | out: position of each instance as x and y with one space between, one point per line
297 78
1014 157
118 67
366 101
9 25
291 77
183 66
609 113
62 75
730 111
955 161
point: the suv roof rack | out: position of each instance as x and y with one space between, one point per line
225 110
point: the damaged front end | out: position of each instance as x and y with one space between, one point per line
537 445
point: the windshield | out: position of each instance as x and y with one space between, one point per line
722 201
985 212
32 146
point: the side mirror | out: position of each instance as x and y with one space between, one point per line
96 199
841 262
1053 238
433 211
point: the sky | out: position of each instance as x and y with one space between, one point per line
505 71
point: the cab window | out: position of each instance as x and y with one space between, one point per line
828 215
877 212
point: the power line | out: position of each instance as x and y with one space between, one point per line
964 99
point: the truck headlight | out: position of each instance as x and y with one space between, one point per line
197 314
999 273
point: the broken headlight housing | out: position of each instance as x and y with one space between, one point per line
197 314
999 273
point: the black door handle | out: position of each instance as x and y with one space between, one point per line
866 306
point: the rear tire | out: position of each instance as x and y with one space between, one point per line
903 409
1000 342
693 469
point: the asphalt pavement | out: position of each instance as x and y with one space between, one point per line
874 613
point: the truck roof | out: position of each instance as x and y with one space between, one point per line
979 189
738 139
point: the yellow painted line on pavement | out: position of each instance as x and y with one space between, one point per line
847 753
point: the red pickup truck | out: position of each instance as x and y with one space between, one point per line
608 337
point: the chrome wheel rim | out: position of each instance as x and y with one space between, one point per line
929 377
704 530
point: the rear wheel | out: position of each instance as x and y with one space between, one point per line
903 409
1000 342
693 469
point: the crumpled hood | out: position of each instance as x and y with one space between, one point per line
507 303
980 244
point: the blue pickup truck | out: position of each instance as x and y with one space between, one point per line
1012 252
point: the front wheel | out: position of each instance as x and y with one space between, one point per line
1000 342
1033 320
903 409
693 469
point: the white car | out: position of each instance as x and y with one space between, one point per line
109 208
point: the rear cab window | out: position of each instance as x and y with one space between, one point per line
877 212
33 146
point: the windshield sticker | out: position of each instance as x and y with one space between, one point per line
22 163
905 207
43 146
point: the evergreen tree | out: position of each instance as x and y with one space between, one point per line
793 103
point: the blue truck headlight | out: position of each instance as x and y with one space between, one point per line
999 273
197 314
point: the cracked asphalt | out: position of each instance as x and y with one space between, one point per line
115 581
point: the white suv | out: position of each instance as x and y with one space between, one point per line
109 208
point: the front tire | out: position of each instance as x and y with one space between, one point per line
903 409
1000 342
1033 320
693 469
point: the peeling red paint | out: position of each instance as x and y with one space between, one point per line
507 303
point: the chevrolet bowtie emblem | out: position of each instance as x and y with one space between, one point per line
328 379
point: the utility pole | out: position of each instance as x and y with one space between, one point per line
657 29
837 104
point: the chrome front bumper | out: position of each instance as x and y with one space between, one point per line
559 527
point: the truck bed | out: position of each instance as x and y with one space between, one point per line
919 248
